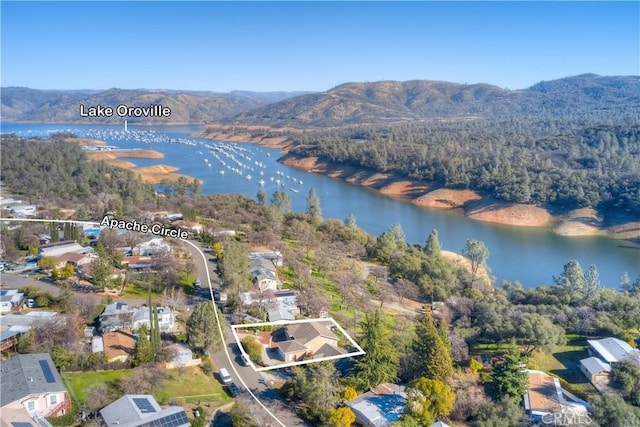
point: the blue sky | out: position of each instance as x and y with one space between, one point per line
268 46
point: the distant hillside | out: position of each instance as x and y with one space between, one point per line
391 101
24 104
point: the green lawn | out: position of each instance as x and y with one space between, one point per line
563 363
80 381
138 289
192 385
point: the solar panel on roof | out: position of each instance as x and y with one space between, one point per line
46 370
144 405
21 424
172 420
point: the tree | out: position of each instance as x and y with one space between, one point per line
48 263
427 399
433 356
509 377
262 198
253 348
101 267
626 376
349 393
241 415
202 328
477 253
571 284
432 248
342 417
316 386
504 413
54 232
612 411
535 331
313 205
350 221
143 350
281 201
381 360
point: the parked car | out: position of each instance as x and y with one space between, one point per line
233 390
245 359
224 376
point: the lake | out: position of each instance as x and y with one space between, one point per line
530 255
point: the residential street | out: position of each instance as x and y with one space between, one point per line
244 377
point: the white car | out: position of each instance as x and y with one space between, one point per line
245 359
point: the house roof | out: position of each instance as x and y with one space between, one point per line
262 273
258 263
57 244
292 346
280 313
611 349
594 366
543 392
545 395
71 257
118 343
28 374
378 410
134 410
327 350
307 331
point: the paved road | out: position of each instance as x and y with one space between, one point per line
240 373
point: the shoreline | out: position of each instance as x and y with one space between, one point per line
571 223
155 174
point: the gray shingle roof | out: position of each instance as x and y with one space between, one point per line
126 412
22 376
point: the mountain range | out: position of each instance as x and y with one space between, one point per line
346 104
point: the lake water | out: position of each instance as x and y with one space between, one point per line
530 255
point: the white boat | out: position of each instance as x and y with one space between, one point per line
221 172
293 190
261 182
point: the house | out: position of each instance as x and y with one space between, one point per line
21 211
75 259
381 406
258 263
10 299
151 245
119 345
612 350
97 345
193 227
134 410
119 315
595 370
546 397
308 339
31 389
265 280
138 262
59 248
274 256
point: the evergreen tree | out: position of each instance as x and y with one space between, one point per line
313 205
202 328
427 399
509 377
54 232
381 361
262 198
433 357
143 351
432 248
350 221
281 201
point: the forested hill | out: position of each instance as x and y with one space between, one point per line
392 101
31 105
